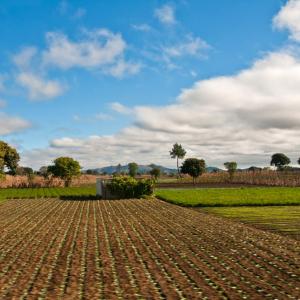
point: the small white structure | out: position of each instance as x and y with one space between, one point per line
99 187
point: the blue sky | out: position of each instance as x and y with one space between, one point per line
105 81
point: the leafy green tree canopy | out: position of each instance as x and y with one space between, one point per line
279 160
24 171
194 167
155 172
177 152
66 168
9 158
231 167
133 168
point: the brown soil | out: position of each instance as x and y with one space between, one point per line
138 249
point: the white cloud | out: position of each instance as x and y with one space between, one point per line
165 14
245 117
97 117
120 108
11 124
289 18
66 8
99 48
38 87
24 58
122 68
66 142
141 27
193 46
96 50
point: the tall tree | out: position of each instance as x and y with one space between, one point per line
155 172
231 167
66 168
194 167
177 152
118 169
9 158
279 160
133 168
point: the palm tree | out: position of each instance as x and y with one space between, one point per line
179 153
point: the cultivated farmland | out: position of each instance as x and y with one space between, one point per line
27 193
281 219
231 196
137 249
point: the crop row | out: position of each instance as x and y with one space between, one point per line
30 193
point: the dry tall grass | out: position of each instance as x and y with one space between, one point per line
265 177
38 181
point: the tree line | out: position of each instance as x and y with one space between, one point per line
196 167
66 167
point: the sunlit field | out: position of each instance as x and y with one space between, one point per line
231 196
282 219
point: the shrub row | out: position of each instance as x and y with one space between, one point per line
127 187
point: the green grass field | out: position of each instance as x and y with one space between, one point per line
46 192
283 219
231 196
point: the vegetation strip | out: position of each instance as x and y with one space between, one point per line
51 192
280 219
210 197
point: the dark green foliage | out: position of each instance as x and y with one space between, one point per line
125 187
177 152
155 172
43 171
231 167
118 169
133 168
22 171
92 172
66 168
194 167
279 160
26 171
9 158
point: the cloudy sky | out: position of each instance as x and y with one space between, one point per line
110 82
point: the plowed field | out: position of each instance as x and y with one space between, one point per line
138 249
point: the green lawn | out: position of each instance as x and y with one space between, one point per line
284 219
231 196
46 192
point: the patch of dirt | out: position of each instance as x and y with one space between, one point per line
138 249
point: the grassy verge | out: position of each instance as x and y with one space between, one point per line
284 219
46 192
231 197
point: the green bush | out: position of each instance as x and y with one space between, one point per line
127 187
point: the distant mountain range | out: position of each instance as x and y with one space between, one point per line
142 169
